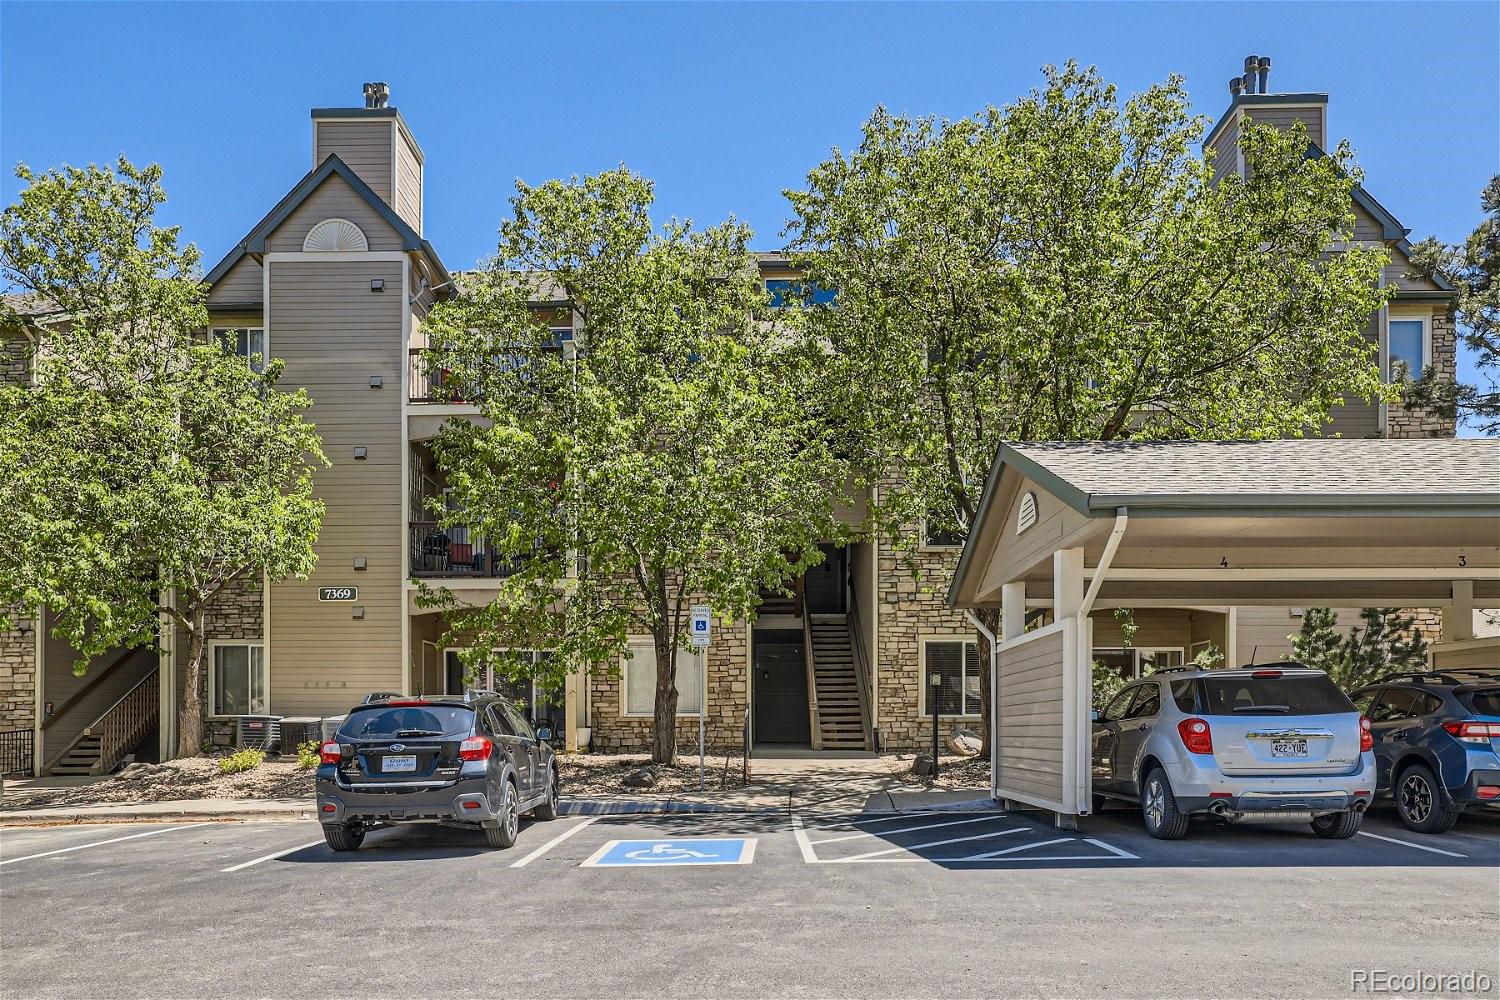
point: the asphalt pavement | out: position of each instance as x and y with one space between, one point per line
757 905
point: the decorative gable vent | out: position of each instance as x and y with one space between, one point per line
335 235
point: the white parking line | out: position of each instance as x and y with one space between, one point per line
1009 850
553 843
96 843
1112 849
1407 843
808 854
931 843
903 829
273 857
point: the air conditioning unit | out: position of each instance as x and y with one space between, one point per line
331 725
296 731
258 732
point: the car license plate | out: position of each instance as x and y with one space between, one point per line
393 764
1289 748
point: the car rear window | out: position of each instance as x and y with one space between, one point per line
410 721
1486 702
1273 696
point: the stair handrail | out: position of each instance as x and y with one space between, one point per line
862 671
815 729
126 722
81 693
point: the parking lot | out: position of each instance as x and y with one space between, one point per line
940 903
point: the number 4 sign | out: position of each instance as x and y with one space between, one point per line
700 627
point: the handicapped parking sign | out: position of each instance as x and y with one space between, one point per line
685 851
700 625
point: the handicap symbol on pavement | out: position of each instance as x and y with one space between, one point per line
684 851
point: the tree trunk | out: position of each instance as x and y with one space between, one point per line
990 619
189 704
664 719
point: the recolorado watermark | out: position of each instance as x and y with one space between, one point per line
1456 983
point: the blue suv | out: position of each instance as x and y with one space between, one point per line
1437 743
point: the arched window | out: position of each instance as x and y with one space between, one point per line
334 235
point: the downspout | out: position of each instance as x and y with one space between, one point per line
1085 778
1122 518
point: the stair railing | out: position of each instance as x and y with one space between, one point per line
126 722
77 696
863 672
815 728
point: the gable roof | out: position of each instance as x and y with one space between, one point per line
255 241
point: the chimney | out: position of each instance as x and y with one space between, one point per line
1236 87
1248 80
377 95
1263 70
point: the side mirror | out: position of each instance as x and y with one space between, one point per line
544 733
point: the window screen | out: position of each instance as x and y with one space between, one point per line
956 665
639 681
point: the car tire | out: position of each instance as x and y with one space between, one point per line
1338 826
1159 808
503 831
342 837
548 809
1099 803
1419 801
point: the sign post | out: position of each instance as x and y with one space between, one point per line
932 694
700 633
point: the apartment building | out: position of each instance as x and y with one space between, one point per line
336 281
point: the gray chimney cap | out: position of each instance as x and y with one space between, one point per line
377 95
1250 61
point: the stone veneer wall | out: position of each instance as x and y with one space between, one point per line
1410 423
727 688
235 614
909 609
18 671
15 357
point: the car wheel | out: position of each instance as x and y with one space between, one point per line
342 837
1420 803
1159 808
503 831
1338 826
548 809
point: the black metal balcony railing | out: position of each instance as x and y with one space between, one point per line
437 551
429 383
16 747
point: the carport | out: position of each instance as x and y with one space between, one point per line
1075 527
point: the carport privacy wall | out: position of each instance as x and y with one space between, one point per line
335 281
1075 527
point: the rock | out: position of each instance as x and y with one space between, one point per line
964 741
922 766
642 778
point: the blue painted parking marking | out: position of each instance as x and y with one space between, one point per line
680 851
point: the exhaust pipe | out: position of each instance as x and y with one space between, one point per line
1219 808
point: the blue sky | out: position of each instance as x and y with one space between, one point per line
723 105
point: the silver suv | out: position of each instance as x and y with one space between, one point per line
1273 742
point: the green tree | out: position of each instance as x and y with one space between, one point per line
665 457
146 470
1474 269
1386 642
1063 268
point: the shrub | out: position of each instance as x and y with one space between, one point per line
244 760
307 755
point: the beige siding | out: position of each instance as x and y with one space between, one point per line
59 684
1028 738
1365 226
1264 634
1017 552
1485 654
333 335
242 284
364 145
1396 274
1226 151
408 184
334 198
1155 627
1356 418
1285 118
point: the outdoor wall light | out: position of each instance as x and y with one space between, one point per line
357 612
360 563
377 284
376 381
361 453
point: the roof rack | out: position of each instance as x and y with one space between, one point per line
1174 670
1459 676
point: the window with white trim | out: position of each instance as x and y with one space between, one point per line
242 341
638 679
1133 662
1406 349
532 697
956 664
237 680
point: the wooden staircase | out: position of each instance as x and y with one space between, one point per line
105 741
841 710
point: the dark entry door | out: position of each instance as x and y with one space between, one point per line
780 688
825 583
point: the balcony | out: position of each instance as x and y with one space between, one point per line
428 384
453 552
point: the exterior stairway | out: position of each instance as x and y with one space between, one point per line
105 741
841 711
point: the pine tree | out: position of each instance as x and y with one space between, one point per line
1386 642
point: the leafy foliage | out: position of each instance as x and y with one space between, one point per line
666 456
1063 268
242 760
1474 268
1386 642
144 461
308 756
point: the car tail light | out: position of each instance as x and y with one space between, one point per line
329 808
1196 736
1488 791
406 703
1366 738
475 748
331 753
471 805
1221 795
1473 732
1265 673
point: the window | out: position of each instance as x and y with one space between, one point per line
1273 696
1185 694
1118 659
534 699
638 679
243 341
1133 662
237 682
381 721
1158 659
956 663
1407 349
1403 703
782 289
1147 703
938 533
1117 705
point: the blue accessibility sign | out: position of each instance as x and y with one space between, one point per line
685 851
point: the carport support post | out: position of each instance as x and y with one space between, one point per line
1458 617
1012 626
1067 602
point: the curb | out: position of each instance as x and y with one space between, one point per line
22 819
609 807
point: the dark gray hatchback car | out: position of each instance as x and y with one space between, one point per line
471 761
